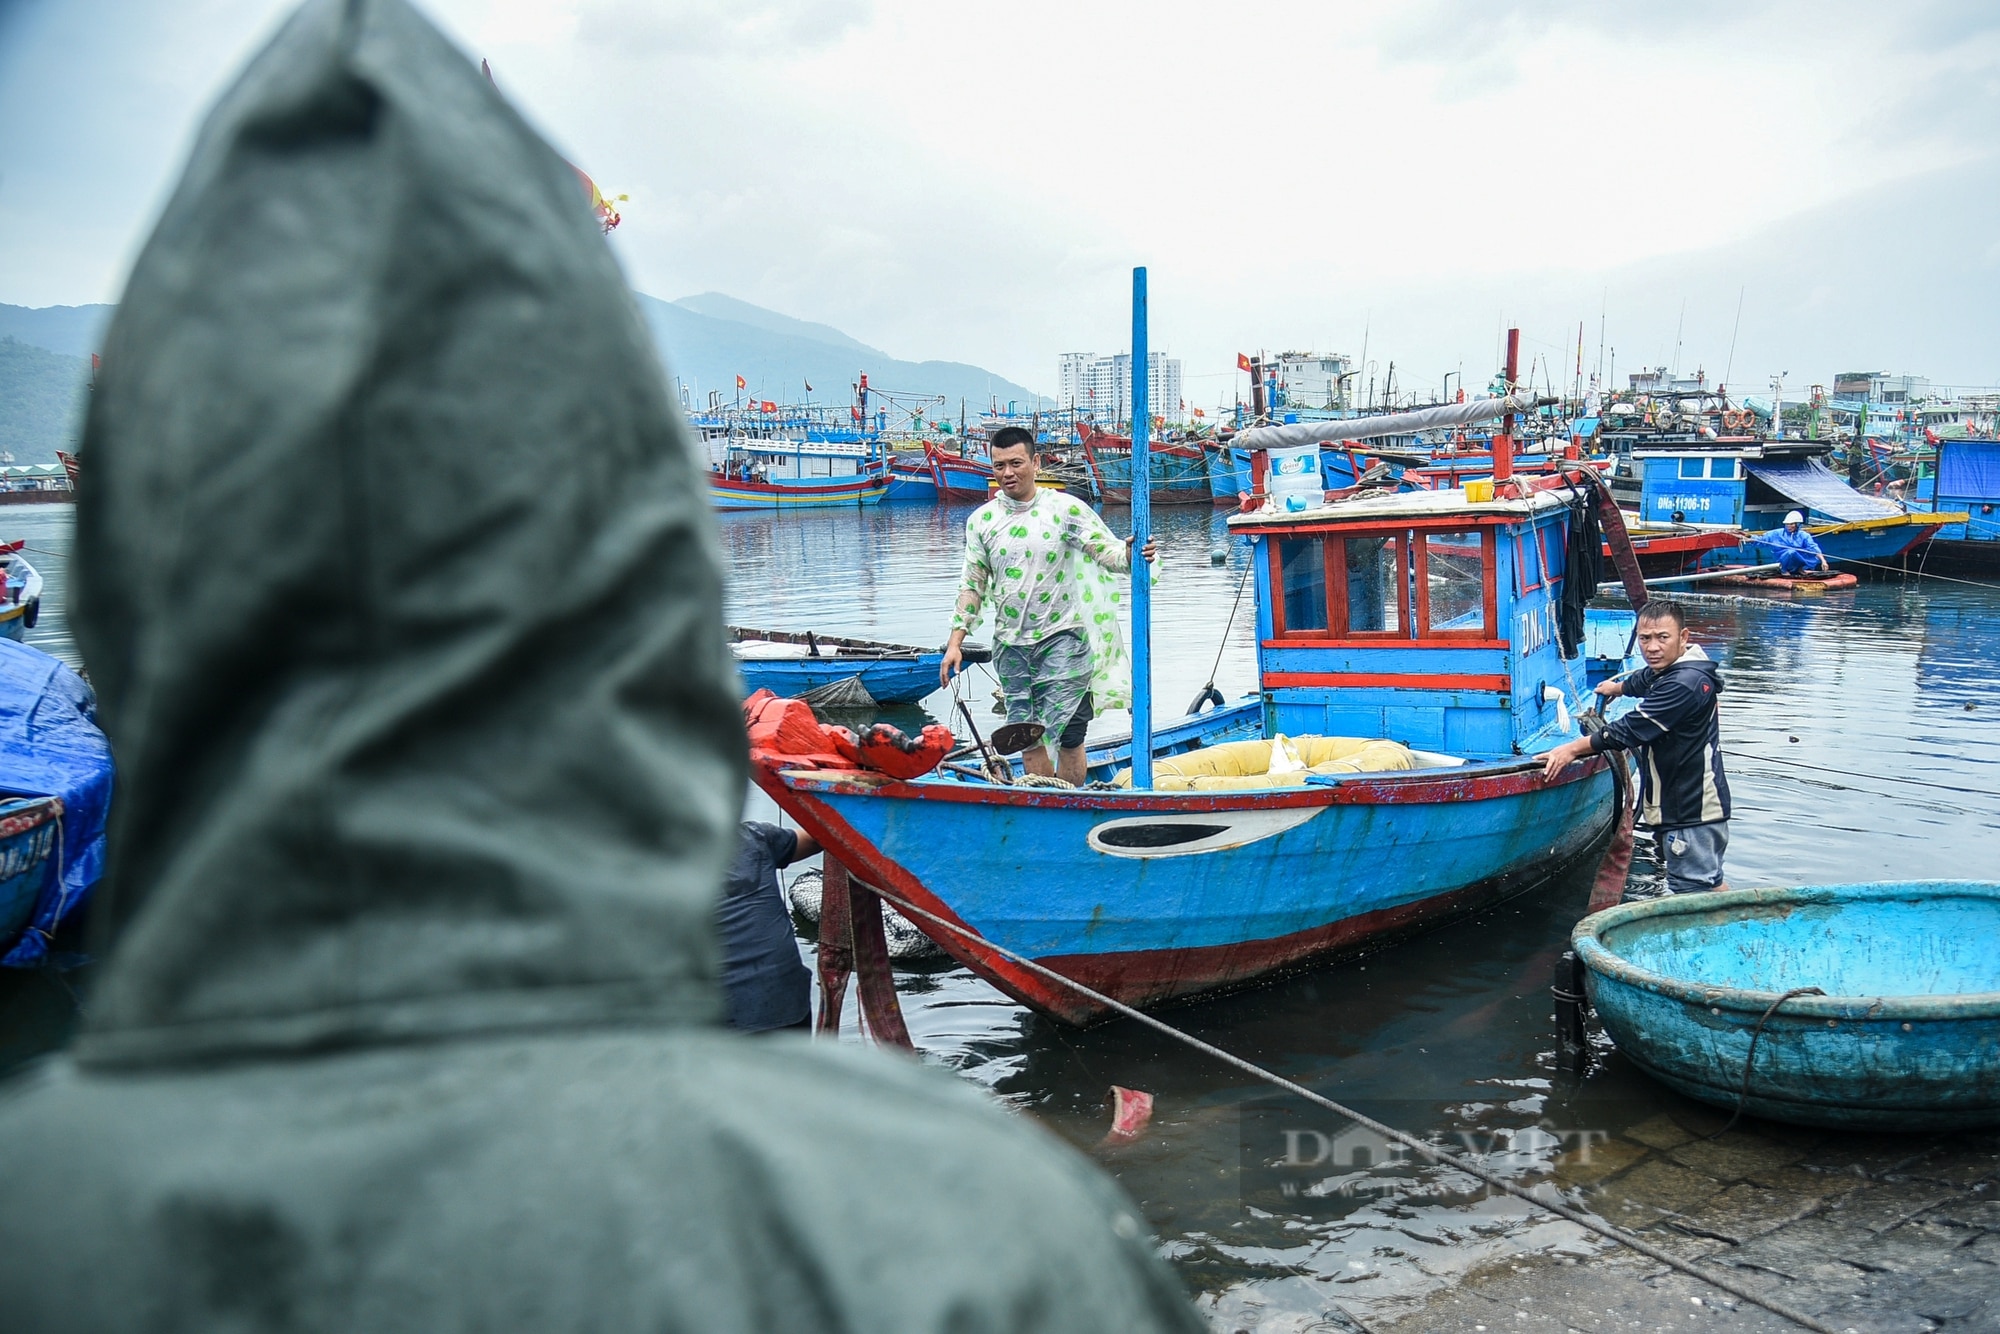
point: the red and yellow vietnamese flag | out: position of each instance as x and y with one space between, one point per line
742 383
769 406
1242 362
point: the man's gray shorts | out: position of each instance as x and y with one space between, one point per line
1693 856
1046 682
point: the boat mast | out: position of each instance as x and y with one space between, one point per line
1503 443
1142 526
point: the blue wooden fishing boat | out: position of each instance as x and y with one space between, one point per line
55 790
1748 483
757 473
1178 473
1410 669
959 476
1902 1031
911 479
1964 484
793 663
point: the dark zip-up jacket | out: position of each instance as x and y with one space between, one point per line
1676 732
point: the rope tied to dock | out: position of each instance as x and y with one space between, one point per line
1432 1153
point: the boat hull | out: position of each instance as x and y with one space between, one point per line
28 833
911 483
1296 875
1667 553
959 478
1868 540
730 494
1228 475
1667 978
889 680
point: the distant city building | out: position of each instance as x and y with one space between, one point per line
1880 386
1309 381
1657 380
1101 387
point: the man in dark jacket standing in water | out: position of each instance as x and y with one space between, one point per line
1683 792
408 1015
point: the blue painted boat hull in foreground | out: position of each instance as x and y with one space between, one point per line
1907 1038
889 680
1080 882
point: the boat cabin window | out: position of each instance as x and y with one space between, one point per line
1451 584
1555 551
1342 586
1302 575
1372 573
1722 468
1694 467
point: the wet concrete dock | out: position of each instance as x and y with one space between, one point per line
1878 1234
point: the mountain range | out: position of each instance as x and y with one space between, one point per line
706 342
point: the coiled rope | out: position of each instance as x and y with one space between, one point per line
1429 1151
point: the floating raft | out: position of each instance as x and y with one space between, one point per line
1906 1035
1789 584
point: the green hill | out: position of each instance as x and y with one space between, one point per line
706 342
41 400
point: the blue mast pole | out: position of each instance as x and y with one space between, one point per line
1142 529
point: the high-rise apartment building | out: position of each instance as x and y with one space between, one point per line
1088 385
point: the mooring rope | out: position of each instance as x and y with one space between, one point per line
1442 1157
1784 762
1919 572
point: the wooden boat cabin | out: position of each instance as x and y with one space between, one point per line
1425 618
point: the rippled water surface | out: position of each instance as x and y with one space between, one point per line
1862 736
1864 743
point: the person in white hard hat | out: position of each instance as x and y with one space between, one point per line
1794 549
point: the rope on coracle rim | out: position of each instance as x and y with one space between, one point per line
1743 1094
1430 1151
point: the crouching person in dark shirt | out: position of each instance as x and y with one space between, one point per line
1683 793
765 985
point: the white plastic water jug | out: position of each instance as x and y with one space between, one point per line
1293 480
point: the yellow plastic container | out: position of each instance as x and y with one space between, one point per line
1479 491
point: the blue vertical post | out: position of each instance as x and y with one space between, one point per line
1142 530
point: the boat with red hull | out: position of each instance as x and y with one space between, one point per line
1179 474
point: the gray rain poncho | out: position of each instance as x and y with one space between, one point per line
395 575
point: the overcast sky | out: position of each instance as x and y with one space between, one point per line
975 182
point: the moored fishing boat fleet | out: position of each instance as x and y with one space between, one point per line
1433 645
1701 474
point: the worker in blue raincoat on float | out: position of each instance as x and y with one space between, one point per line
1794 548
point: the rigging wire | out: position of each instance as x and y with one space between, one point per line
1442 1157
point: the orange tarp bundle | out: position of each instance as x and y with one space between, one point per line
786 728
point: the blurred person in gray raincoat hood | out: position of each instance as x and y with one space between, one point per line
395 574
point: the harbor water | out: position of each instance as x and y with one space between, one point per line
1862 744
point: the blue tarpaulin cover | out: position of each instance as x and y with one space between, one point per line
50 746
1813 485
1969 470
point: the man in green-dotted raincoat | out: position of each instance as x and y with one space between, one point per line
1051 573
